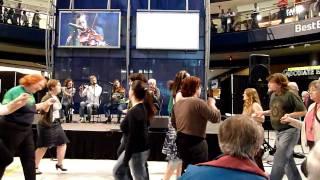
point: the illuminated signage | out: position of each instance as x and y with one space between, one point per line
303 71
314 25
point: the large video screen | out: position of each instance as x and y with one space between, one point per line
89 29
167 30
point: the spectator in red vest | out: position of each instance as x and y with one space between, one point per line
282 4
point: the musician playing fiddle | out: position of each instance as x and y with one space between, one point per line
118 101
83 35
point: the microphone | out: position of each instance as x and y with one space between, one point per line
110 83
76 26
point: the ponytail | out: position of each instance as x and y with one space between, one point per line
148 102
141 92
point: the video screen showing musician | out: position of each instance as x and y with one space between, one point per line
85 33
117 101
68 92
92 94
93 29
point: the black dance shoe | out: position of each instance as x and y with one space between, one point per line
61 167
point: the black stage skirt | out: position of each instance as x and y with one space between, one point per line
51 136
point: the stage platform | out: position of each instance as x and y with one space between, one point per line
100 141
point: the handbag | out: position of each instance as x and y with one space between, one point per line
6 156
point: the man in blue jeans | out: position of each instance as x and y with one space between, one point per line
283 103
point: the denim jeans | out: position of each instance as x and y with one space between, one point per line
283 162
89 107
137 164
111 107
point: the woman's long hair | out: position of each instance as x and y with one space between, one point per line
119 89
253 97
176 86
140 91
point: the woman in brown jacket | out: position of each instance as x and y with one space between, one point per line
50 132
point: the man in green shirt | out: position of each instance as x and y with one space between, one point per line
283 103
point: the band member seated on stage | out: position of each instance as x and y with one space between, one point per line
118 101
84 35
92 94
155 92
153 89
68 92
50 132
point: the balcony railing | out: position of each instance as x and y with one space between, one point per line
265 17
22 17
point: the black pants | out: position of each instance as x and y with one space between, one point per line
6 157
19 138
283 14
191 149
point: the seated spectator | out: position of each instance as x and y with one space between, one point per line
240 138
313 162
25 21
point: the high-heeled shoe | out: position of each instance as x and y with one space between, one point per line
61 167
38 172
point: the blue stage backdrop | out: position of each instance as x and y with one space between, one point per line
110 64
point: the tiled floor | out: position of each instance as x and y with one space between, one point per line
102 169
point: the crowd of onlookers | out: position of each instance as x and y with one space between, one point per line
231 21
18 16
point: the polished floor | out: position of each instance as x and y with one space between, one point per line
79 169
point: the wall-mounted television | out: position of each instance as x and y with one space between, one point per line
177 30
89 28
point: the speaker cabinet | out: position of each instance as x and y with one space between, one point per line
259 68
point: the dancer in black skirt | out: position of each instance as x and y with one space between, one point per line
15 128
50 132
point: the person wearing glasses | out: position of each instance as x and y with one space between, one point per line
310 127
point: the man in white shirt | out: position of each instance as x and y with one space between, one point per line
92 94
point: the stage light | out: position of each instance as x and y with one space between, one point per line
259 17
299 9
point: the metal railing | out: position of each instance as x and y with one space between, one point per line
266 17
23 17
